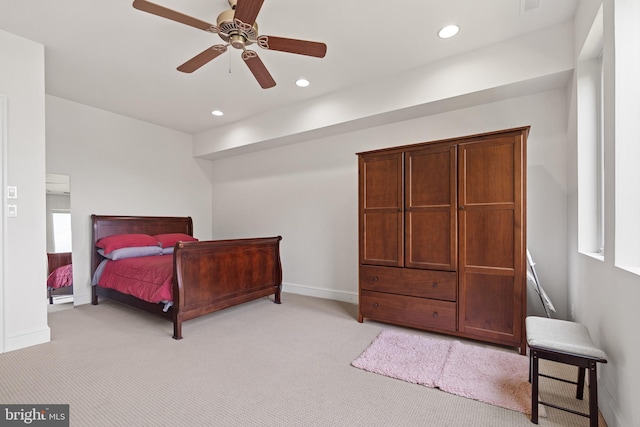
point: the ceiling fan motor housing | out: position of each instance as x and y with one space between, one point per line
236 36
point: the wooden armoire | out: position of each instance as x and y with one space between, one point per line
443 236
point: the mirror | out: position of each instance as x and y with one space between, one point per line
59 270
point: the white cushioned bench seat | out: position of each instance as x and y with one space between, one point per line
561 335
564 342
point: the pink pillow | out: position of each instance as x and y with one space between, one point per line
118 241
169 240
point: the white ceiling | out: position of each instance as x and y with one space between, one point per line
111 56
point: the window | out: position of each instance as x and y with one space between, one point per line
599 148
591 137
626 74
62 231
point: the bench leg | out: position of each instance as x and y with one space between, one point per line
534 386
580 383
593 395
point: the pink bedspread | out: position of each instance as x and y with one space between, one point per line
61 277
148 278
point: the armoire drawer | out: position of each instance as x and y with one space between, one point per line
422 313
440 285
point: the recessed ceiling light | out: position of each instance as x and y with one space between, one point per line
448 31
302 83
217 113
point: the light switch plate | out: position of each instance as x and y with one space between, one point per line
12 192
12 211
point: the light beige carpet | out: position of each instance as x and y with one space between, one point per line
258 364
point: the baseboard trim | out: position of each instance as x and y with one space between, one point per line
28 339
320 293
608 408
291 288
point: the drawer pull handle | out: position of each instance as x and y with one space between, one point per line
375 278
435 314
375 305
435 284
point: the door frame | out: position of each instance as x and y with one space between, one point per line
3 216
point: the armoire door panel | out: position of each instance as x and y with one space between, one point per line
381 243
488 169
490 305
430 208
428 240
380 204
429 176
490 239
382 177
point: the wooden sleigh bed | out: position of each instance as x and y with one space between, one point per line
207 275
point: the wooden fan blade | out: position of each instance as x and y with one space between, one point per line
156 9
300 47
258 69
247 10
202 58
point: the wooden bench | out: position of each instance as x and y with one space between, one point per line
564 342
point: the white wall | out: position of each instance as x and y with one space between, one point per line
24 304
122 166
606 297
304 181
518 66
308 193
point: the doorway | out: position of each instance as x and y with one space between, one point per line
60 270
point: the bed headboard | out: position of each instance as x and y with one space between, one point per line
55 260
104 226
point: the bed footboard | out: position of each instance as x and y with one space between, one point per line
212 275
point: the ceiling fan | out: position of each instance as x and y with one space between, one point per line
239 29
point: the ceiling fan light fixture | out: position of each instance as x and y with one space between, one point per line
302 83
448 31
238 41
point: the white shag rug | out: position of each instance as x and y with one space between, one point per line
489 375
